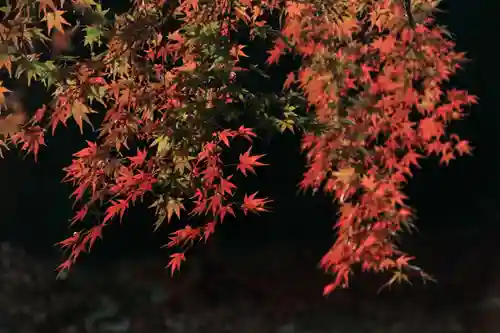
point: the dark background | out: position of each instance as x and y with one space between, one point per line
457 205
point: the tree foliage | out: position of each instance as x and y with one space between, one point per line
160 83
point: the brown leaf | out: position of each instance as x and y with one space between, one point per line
79 112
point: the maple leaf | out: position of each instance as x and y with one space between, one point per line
3 90
411 158
209 229
276 52
430 128
385 44
224 210
369 182
175 262
329 288
446 158
253 204
116 208
93 234
43 4
64 267
174 206
70 241
225 135
226 186
184 236
139 159
294 9
39 113
6 62
215 203
80 215
247 133
80 111
90 151
290 79
247 162
237 51
398 276
55 20
463 148
32 137
345 174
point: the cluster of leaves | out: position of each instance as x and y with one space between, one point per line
160 77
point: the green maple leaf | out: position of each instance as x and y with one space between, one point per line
92 36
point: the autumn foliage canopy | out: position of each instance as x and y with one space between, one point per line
160 84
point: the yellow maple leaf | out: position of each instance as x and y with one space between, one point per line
345 175
55 20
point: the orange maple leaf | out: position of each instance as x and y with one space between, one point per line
276 52
2 91
55 20
237 51
385 45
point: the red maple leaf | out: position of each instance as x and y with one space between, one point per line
80 215
175 262
247 133
70 241
93 234
139 159
253 204
209 229
65 266
226 186
430 128
225 135
116 208
384 44
290 79
247 162
463 148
